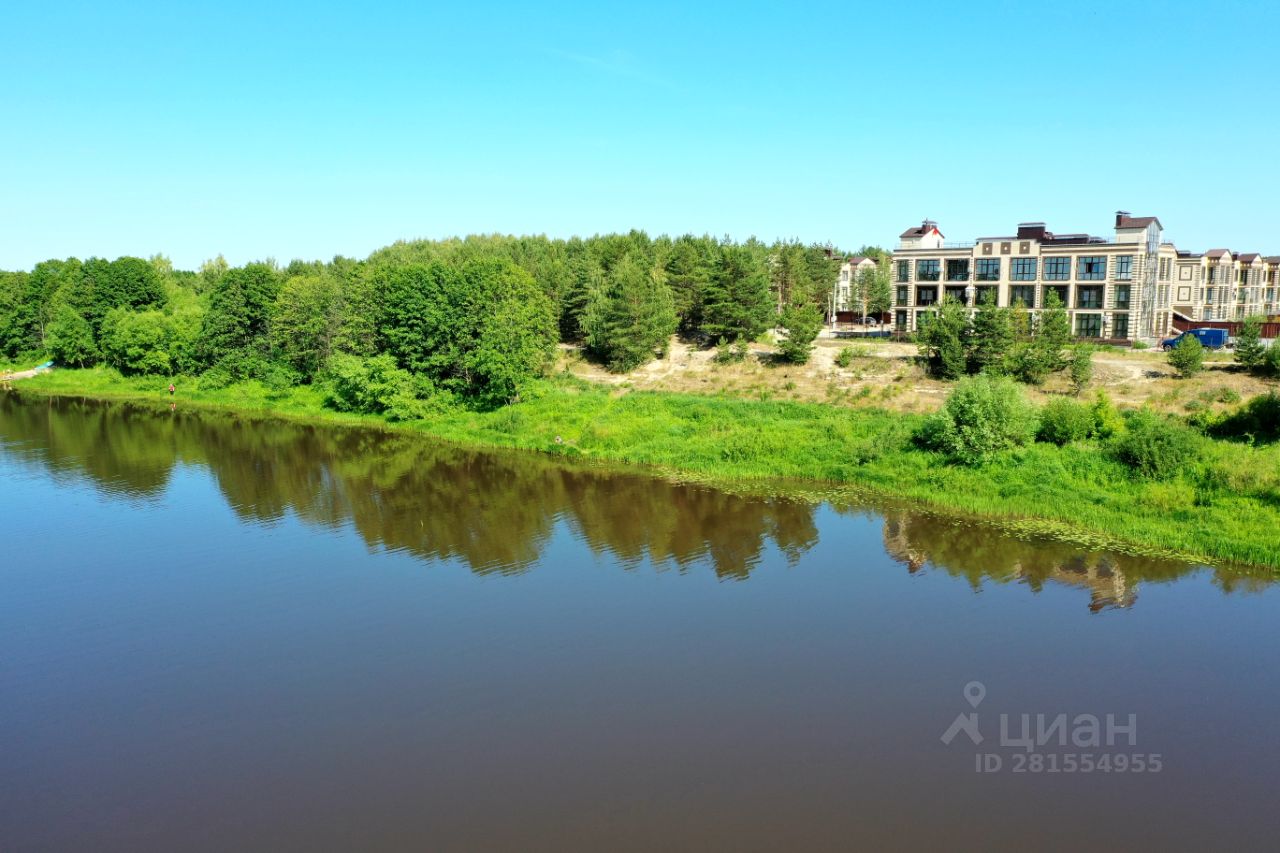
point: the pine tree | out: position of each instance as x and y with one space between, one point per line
738 303
944 340
992 340
802 322
631 318
1053 332
1250 351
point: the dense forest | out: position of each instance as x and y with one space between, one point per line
418 324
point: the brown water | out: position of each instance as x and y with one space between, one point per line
217 634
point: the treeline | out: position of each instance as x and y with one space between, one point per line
420 323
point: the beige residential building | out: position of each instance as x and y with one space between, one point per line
1221 285
1115 288
844 294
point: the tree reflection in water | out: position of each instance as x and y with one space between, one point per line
496 511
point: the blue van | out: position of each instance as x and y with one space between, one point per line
1209 338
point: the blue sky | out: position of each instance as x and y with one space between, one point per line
312 129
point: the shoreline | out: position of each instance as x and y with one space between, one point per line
574 424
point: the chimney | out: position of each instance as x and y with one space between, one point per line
1120 214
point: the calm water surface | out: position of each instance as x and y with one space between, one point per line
220 635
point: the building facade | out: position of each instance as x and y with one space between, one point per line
844 296
1221 285
1125 287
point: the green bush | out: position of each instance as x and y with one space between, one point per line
844 358
1187 357
1064 421
727 353
1256 421
1107 420
136 341
1141 345
1152 444
982 417
1271 361
375 386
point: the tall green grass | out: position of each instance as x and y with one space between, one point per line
1221 507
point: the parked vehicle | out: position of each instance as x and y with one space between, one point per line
1209 338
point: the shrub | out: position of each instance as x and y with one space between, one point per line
844 358
982 417
1107 420
1228 395
1271 361
1187 357
1152 444
1256 421
136 341
375 386
944 340
727 353
1064 421
1141 345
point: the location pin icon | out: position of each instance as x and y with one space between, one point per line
975 692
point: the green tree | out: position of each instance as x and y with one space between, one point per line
631 318
944 340
1081 367
1250 350
992 339
1034 359
875 293
238 319
482 330
737 303
69 338
690 265
1187 357
802 322
16 315
306 322
136 341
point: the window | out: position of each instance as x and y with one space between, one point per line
1124 267
957 294
1092 268
1120 326
1122 295
1059 290
926 295
1024 293
988 295
1213 275
927 270
904 270
1088 325
1164 269
900 320
1089 296
988 269
1024 269
1057 269
904 296
958 270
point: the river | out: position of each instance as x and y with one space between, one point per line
219 633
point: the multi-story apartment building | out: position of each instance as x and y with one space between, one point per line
843 295
1221 285
1113 288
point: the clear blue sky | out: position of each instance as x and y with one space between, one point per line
313 129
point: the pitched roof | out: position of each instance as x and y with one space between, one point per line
1249 257
857 259
918 231
1217 253
1272 259
1137 221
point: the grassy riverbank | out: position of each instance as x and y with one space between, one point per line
1223 508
